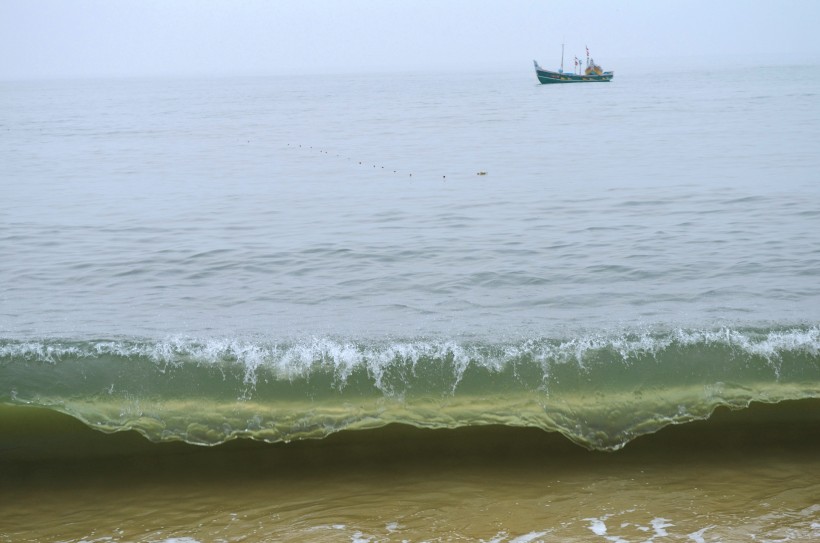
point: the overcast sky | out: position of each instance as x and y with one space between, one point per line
59 38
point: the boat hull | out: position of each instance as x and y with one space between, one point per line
548 77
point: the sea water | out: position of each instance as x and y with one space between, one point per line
523 297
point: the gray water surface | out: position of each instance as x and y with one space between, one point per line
354 206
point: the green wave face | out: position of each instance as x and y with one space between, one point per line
601 391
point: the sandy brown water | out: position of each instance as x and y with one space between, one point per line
741 476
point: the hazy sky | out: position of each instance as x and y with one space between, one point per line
45 38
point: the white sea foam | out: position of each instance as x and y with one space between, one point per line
296 357
359 537
697 536
526 538
599 528
660 525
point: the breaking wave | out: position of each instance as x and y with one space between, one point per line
599 390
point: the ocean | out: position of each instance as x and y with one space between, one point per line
418 307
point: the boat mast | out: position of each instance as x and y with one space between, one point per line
562 58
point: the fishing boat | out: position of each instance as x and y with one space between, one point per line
591 73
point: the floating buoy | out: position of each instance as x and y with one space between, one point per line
481 173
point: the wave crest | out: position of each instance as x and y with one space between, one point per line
599 390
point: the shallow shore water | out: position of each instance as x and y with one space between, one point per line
742 475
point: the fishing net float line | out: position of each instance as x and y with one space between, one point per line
360 162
